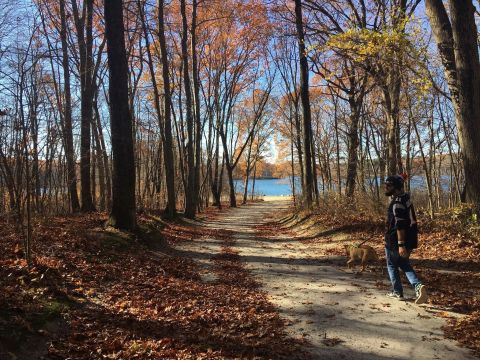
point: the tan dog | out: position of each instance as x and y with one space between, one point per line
364 253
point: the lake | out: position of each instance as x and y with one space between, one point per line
269 187
283 187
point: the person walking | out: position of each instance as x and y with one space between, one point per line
401 239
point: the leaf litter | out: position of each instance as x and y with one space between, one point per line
118 298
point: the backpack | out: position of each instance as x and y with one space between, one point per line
411 236
411 241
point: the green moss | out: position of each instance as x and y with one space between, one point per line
50 309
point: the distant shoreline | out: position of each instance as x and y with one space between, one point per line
260 178
277 197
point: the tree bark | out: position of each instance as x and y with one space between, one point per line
457 44
123 177
85 44
168 141
216 180
190 196
67 115
307 117
196 102
353 142
247 171
100 162
233 200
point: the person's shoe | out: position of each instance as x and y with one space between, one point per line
421 293
395 295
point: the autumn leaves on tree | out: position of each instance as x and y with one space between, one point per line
348 91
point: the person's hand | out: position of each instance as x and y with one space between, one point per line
403 251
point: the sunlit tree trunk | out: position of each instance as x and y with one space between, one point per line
196 102
168 145
247 171
102 172
190 196
307 118
292 160
456 38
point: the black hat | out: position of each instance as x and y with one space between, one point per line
396 180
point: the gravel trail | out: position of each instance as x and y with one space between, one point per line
341 314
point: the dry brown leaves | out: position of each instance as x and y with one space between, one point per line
119 299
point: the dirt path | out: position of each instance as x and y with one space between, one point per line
341 314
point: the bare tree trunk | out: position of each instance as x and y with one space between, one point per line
233 199
196 102
123 214
314 171
247 171
298 131
353 143
254 180
190 197
67 115
100 163
104 158
304 94
216 183
363 156
408 161
33 124
168 145
391 145
93 173
292 163
28 194
85 43
165 125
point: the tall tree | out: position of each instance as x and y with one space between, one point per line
307 116
190 196
196 102
168 138
287 63
456 38
123 176
374 36
67 114
164 119
83 25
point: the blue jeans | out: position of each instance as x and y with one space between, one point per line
394 262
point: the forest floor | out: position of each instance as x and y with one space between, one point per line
256 282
